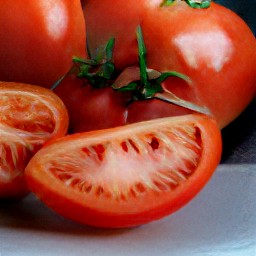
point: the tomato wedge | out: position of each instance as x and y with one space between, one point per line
128 175
29 116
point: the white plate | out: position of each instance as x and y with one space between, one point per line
220 221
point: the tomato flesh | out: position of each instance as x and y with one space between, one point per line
29 116
129 175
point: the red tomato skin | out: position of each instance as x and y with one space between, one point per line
155 108
226 87
38 39
115 24
152 109
70 206
204 44
91 108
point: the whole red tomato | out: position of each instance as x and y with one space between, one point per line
39 38
212 46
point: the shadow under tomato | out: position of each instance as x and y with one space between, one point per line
32 215
219 221
239 138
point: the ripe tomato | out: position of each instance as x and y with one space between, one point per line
29 117
90 108
203 44
39 38
128 175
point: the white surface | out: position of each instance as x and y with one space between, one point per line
221 221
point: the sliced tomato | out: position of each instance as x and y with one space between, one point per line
128 175
29 117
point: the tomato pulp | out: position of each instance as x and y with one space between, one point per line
29 117
128 175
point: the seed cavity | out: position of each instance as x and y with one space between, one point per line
124 146
140 187
158 162
94 151
26 114
88 189
134 146
86 151
14 156
154 143
99 191
99 151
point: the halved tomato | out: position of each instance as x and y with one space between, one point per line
29 116
128 175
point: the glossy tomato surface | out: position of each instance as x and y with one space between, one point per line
39 38
29 117
129 175
91 108
204 44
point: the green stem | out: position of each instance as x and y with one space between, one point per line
196 4
142 57
72 70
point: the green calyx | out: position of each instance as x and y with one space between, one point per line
99 69
141 82
196 4
149 81
199 4
167 3
148 84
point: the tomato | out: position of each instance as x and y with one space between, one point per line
29 117
39 38
90 108
151 109
203 44
128 175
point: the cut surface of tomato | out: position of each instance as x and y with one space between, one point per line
128 175
29 117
